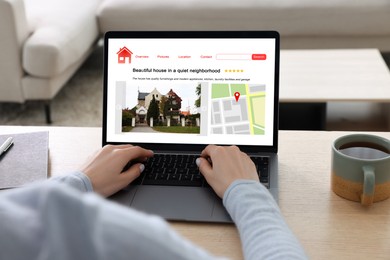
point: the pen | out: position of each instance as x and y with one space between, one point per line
6 145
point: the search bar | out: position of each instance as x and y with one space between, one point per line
233 56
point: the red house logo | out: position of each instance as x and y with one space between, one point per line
124 53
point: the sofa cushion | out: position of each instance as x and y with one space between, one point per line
14 32
289 17
62 32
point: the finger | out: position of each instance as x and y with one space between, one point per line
208 150
123 146
204 166
111 147
132 173
136 152
234 148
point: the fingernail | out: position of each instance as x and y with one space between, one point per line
197 161
142 168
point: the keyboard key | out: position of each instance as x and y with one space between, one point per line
170 170
182 171
174 177
186 177
162 176
261 164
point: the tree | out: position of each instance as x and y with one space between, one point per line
153 110
198 92
163 101
127 117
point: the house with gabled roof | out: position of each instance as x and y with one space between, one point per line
141 114
148 98
172 104
124 53
141 98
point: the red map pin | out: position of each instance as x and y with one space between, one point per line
237 96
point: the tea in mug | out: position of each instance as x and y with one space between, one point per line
363 150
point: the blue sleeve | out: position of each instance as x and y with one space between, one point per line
77 180
263 231
51 220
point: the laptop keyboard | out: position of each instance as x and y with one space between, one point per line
181 170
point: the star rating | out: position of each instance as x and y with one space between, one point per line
233 70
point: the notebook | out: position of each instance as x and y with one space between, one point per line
26 161
176 92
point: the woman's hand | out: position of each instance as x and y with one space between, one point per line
221 166
105 168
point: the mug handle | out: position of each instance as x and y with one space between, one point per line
367 197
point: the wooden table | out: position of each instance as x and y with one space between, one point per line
313 78
328 226
333 75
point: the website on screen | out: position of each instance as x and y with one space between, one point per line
195 91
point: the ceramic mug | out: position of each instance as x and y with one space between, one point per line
361 168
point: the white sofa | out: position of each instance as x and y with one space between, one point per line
301 23
43 42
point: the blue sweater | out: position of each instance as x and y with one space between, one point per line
63 219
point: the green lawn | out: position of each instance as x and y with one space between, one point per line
127 128
178 129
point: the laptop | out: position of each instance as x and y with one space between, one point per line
175 92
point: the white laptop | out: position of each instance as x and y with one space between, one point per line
175 93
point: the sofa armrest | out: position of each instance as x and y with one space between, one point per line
13 31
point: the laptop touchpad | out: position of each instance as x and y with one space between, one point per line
173 202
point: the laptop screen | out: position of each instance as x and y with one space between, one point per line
175 90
